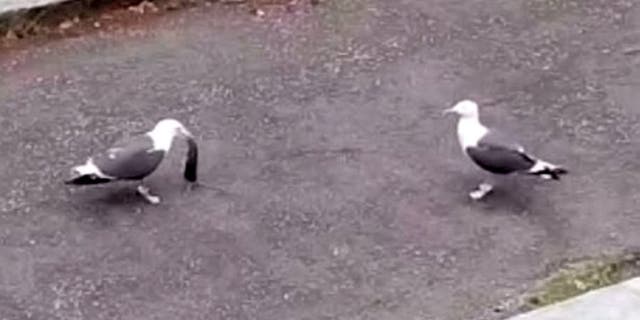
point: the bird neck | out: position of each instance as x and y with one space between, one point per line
470 131
162 139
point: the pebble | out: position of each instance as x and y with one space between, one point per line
258 12
11 35
65 25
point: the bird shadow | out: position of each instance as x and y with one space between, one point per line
509 198
127 195
189 188
124 196
511 195
108 206
108 195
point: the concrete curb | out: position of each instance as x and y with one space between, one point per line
616 302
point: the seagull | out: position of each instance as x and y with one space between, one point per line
494 151
136 158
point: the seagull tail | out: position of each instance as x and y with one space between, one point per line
547 170
87 174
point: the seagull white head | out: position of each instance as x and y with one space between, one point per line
164 132
172 127
465 109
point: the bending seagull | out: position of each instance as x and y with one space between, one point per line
494 152
137 157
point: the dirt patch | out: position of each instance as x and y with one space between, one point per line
577 277
77 16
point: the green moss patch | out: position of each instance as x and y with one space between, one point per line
578 277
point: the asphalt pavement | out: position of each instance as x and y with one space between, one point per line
343 192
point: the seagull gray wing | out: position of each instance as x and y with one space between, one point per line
498 153
496 138
131 158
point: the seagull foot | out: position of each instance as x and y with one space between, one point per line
482 190
145 192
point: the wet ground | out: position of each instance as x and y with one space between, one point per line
344 193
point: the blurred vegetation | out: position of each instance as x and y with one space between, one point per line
59 17
26 22
576 278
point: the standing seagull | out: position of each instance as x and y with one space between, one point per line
495 152
136 158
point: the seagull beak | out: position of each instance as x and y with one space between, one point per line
191 165
447 111
186 133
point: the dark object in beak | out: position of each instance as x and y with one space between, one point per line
191 166
86 179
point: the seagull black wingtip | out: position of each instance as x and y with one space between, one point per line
86 179
558 172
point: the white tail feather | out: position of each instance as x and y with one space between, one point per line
547 170
89 168
541 166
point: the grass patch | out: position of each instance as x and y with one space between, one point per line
578 277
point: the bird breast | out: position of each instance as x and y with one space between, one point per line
470 131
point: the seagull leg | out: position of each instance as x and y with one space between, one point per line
146 193
481 191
